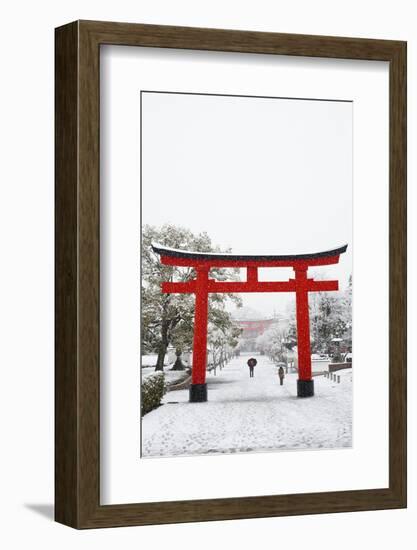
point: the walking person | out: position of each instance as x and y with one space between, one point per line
252 362
281 375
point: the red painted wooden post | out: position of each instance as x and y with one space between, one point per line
305 383
198 388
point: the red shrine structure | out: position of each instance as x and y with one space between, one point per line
254 327
202 285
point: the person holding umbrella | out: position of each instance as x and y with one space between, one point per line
252 362
281 375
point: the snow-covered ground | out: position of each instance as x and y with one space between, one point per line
150 360
245 414
344 374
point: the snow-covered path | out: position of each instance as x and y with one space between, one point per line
250 414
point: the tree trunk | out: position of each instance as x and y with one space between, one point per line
161 358
162 348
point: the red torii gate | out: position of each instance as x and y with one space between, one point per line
202 262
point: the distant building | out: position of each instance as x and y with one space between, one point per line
253 324
252 328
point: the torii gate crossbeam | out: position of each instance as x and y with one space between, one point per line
202 285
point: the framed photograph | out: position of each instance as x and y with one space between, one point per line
230 274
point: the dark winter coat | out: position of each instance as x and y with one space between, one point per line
281 372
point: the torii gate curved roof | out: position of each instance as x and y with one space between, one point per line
174 256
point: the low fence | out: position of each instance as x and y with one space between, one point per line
334 377
333 367
182 385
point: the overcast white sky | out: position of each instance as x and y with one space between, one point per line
259 175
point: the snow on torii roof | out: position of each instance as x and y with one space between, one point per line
224 256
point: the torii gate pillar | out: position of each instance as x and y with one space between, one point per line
305 383
198 387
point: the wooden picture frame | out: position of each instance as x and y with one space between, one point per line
77 382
